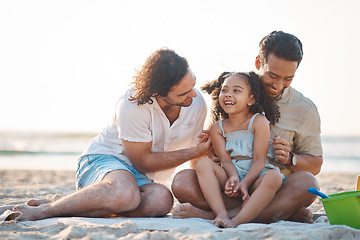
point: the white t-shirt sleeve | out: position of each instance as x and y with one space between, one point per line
135 121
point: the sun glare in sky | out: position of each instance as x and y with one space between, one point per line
64 64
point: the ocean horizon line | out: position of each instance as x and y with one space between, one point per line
25 152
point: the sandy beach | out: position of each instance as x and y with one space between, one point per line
17 186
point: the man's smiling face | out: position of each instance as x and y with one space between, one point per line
276 74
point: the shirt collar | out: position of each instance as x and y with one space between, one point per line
285 96
155 103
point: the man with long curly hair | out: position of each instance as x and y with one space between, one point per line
155 128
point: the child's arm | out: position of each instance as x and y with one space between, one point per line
218 143
261 130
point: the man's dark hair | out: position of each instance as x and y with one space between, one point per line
160 72
283 45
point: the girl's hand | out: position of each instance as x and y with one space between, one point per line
230 186
243 188
213 157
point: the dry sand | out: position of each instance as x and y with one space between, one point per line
17 186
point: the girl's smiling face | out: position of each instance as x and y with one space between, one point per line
235 95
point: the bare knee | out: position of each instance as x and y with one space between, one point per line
299 182
157 200
273 179
122 199
203 165
183 182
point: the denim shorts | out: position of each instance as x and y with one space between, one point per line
93 168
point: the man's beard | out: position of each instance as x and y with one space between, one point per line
181 104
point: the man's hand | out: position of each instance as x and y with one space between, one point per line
204 147
305 162
282 149
204 136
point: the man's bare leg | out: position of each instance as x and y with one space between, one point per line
289 203
117 193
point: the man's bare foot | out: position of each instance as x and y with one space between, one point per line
6 207
30 213
186 210
37 202
9 215
320 218
302 215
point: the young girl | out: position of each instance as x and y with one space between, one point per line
241 142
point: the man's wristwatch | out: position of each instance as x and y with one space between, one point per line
293 159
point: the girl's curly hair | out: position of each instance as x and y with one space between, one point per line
161 71
263 103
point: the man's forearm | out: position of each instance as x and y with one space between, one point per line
307 163
158 161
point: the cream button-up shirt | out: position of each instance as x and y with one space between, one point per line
299 123
148 123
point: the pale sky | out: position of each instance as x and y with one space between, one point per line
64 64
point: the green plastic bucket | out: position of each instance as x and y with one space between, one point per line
343 208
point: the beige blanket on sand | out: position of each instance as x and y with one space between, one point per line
169 228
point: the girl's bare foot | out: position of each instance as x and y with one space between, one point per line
227 223
217 221
186 210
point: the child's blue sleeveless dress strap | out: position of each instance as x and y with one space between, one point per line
249 127
251 121
222 128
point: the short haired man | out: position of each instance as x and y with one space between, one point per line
296 140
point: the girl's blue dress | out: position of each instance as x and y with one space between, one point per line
240 146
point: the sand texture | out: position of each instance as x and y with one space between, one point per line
17 186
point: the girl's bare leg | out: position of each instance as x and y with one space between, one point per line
212 178
263 191
289 203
